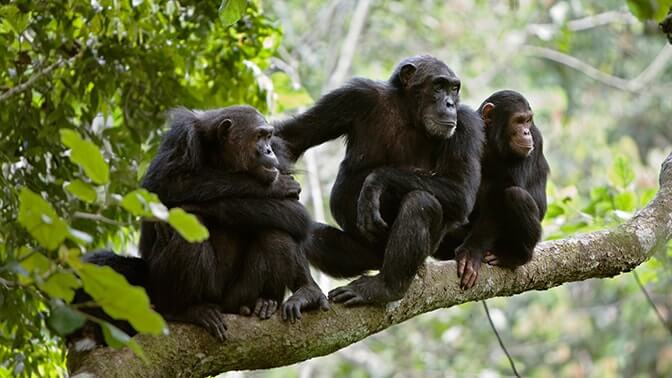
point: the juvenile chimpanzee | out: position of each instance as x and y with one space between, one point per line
411 124
505 225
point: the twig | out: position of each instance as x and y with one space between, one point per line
501 343
652 303
95 217
22 87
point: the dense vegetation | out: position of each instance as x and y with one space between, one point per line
84 84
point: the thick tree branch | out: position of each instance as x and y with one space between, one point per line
252 344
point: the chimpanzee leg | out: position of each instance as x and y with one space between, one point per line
338 254
521 228
414 235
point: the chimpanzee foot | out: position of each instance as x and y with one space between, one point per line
207 316
307 297
468 266
365 290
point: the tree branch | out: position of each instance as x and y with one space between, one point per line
252 344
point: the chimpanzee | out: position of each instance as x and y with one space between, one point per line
505 225
253 254
423 145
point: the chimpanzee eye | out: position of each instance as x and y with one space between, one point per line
437 87
455 87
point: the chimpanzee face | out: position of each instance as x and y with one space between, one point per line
510 123
244 143
519 133
436 91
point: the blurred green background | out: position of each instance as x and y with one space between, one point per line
598 75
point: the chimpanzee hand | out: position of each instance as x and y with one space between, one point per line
285 187
468 266
305 298
369 221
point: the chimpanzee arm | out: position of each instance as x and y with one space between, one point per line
209 184
280 214
332 116
456 197
537 188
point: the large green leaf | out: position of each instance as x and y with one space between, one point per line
87 155
81 190
232 10
41 220
649 9
117 297
142 203
621 173
187 225
61 285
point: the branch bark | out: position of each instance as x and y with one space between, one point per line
190 352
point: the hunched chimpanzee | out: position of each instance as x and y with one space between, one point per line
424 146
505 225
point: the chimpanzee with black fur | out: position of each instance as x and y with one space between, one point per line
505 225
423 145
255 221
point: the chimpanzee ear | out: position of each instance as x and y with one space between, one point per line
222 128
406 73
485 113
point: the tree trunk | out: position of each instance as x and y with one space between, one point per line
253 344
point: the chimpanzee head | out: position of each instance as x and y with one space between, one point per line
433 92
234 139
508 122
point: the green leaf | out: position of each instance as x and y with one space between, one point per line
232 10
554 210
117 297
82 190
642 9
41 220
187 225
117 338
142 203
621 173
626 201
61 285
289 97
63 319
87 155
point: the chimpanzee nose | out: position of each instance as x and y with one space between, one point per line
450 103
526 132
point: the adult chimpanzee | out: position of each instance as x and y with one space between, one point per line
420 140
219 164
505 225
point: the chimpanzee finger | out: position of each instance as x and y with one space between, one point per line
343 296
245 311
466 276
461 262
297 313
324 304
472 280
336 291
258 306
356 300
272 307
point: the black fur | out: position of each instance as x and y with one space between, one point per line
512 196
401 130
253 254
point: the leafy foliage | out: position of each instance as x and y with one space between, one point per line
83 86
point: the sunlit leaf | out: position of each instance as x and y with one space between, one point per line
621 173
61 285
41 220
187 225
81 190
118 298
87 155
140 202
232 10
